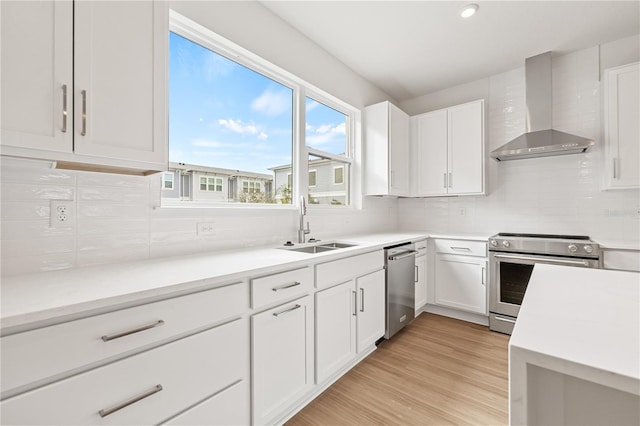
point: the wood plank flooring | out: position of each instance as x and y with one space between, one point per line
437 371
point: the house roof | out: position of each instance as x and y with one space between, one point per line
184 167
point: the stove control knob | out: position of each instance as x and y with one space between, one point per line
573 248
588 249
494 243
506 243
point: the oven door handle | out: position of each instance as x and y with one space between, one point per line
543 260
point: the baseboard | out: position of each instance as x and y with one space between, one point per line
457 314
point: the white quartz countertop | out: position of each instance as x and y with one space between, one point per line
38 298
581 322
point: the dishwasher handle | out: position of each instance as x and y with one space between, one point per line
403 255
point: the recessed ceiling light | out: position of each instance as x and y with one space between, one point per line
469 10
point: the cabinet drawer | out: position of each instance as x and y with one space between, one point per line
470 248
229 407
174 376
280 287
339 271
49 352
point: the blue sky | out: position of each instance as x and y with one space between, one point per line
222 114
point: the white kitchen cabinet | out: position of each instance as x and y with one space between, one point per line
350 318
622 127
461 279
89 88
421 275
147 388
282 359
386 150
448 151
37 70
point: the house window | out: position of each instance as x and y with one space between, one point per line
338 175
233 113
167 180
250 187
211 184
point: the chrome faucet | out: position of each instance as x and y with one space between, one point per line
303 211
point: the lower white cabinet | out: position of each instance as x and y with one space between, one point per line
461 282
147 388
282 361
350 317
461 275
421 275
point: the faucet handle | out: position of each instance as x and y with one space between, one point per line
303 205
307 230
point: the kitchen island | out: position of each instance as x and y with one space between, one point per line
574 355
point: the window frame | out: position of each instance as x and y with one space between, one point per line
334 175
302 90
173 178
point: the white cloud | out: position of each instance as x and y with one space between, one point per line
324 134
311 105
272 103
263 136
237 126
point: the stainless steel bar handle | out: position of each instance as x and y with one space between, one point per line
355 303
543 260
509 320
444 175
276 314
615 172
108 337
282 287
450 179
460 249
64 108
362 300
83 93
403 255
416 277
105 412
484 275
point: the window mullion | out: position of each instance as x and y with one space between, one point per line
301 176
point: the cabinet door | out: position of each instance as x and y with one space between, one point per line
622 127
430 142
37 40
461 282
466 148
371 309
120 79
282 363
421 281
398 151
335 329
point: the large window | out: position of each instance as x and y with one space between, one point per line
271 136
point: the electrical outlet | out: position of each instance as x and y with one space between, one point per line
61 213
206 229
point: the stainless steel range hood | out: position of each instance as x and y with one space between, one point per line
540 140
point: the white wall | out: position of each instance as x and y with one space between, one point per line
117 217
544 195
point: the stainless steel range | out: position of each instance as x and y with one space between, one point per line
511 261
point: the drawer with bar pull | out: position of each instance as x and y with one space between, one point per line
464 247
281 286
147 388
42 355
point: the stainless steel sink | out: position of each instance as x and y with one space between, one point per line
320 247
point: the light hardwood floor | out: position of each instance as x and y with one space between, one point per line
436 371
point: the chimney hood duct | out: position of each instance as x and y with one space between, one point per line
540 140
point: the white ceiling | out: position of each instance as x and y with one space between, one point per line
412 48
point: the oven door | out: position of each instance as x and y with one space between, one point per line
510 273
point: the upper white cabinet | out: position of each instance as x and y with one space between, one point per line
448 151
386 151
85 83
622 126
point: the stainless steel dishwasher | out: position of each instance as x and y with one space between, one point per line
400 264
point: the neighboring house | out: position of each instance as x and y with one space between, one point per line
191 182
327 182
